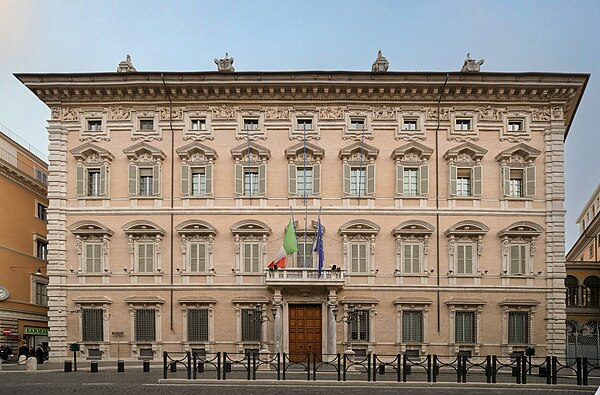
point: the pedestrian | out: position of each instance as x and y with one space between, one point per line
39 354
24 350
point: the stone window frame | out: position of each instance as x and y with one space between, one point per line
38 240
465 232
411 135
412 155
90 156
354 155
464 135
197 231
191 302
244 114
140 302
89 231
298 134
295 156
412 304
470 305
519 157
250 155
254 231
196 155
86 134
94 302
141 156
414 232
43 280
466 155
250 302
359 231
520 135
360 304
519 233
146 232
198 134
146 134
302 234
355 134
517 305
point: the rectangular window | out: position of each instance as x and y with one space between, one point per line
42 212
462 124
410 177
518 327
250 124
251 326
145 257
198 181
409 124
360 322
197 325
145 325
303 257
463 182
304 180
41 176
517 259
357 123
412 326
591 250
357 181
93 182
199 124
41 294
197 256
465 327
412 259
93 257
251 179
515 125
464 258
94 125
358 257
41 249
146 124
146 182
92 325
251 257
304 124
515 184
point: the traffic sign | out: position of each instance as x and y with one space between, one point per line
6 332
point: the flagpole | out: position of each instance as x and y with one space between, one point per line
248 171
362 151
304 195
312 246
294 225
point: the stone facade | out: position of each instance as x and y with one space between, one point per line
441 198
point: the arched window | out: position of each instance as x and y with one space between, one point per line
591 291
572 286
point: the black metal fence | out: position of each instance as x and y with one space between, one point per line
376 367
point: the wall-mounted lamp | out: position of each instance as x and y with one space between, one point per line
38 271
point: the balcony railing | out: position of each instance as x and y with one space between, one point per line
304 277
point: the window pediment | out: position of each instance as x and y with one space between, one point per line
523 228
467 228
90 228
518 153
466 152
144 151
250 227
142 227
412 152
356 149
256 151
414 227
196 227
359 227
196 152
89 150
312 150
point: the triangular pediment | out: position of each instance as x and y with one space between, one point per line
86 150
367 150
136 150
523 150
422 151
298 149
187 151
475 152
253 148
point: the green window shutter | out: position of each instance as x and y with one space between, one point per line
202 258
407 258
506 180
81 180
423 182
346 179
370 189
185 180
477 178
292 179
133 179
239 179
363 258
262 179
399 180
468 259
193 257
103 180
317 179
156 179
208 169
529 181
98 257
452 179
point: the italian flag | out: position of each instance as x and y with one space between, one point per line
290 246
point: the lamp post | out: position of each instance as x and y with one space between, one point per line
257 314
348 319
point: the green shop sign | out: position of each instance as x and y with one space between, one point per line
30 330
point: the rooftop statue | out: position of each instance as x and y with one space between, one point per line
225 65
380 65
470 65
126 66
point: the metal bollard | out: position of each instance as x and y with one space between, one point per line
146 366
68 366
120 366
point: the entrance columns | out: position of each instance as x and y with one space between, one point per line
331 324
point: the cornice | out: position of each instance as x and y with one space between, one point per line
23 180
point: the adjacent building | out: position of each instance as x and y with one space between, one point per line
23 243
440 196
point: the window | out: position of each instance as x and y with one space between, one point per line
41 249
41 176
94 125
304 178
92 325
464 258
251 257
463 182
409 124
305 257
591 291
515 125
198 257
198 181
518 327
145 255
519 183
412 326
591 251
146 124
251 326
465 327
357 181
516 183
518 258
198 124
42 212
41 293
197 325
251 181
91 181
410 181
250 124
462 124
572 286
359 257
357 123
93 257
304 124
304 181
411 258
145 325
146 182
360 322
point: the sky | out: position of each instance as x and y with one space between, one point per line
62 36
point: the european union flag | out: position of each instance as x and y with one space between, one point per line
319 247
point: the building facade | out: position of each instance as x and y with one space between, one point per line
23 243
440 195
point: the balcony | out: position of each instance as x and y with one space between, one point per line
305 277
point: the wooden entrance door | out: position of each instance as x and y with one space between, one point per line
305 330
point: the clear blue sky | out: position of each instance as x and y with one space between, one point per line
87 36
